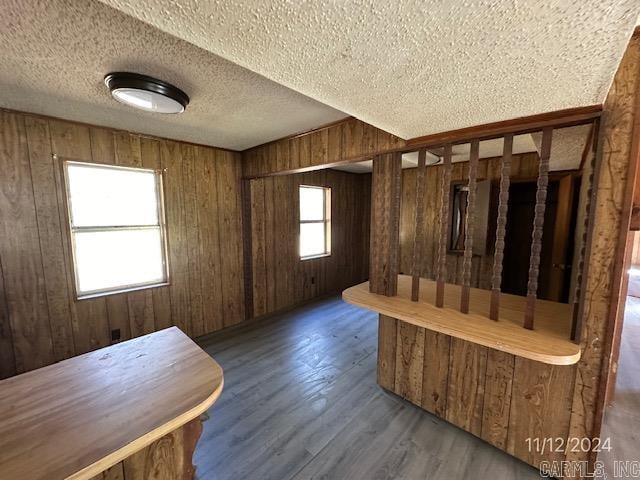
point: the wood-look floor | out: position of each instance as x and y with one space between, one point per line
622 419
301 402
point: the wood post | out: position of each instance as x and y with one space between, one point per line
585 241
538 226
469 221
501 224
418 238
386 185
444 227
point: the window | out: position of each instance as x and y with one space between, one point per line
315 222
117 228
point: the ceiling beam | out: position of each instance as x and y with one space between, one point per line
558 119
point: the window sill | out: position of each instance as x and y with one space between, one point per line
89 296
313 257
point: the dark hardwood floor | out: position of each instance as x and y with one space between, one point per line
301 402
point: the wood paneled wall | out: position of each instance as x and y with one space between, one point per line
280 278
313 150
498 397
524 166
40 320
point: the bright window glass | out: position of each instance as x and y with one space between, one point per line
315 221
311 203
117 234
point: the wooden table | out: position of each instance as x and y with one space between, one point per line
131 409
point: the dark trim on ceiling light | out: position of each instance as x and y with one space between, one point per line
116 80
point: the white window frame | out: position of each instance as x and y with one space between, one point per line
110 228
326 220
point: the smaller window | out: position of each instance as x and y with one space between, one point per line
315 222
117 228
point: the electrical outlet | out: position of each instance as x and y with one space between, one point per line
115 335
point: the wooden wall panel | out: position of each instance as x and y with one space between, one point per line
172 164
466 384
280 279
190 179
50 236
40 319
524 167
409 362
318 148
435 376
497 399
386 191
24 284
229 169
209 240
387 348
540 407
258 244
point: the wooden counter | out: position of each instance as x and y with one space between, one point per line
495 380
548 342
77 418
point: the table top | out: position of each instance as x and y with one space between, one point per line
548 343
76 418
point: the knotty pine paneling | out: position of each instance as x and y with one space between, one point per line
40 320
280 278
312 150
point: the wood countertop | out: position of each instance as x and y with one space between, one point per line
76 418
548 342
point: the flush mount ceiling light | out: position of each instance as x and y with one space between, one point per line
146 93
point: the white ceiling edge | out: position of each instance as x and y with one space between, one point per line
415 67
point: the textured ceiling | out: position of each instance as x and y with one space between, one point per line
55 53
415 67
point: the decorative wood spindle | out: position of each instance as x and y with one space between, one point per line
590 211
538 227
469 221
503 205
418 239
444 226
